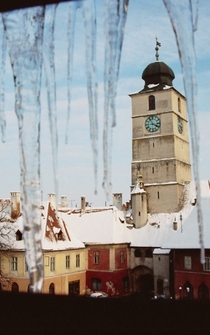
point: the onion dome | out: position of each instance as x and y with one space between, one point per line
157 75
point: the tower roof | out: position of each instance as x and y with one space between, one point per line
157 75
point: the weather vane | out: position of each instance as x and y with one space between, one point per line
158 44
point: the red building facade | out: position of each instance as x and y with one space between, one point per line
191 278
108 269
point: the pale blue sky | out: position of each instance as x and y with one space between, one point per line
145 20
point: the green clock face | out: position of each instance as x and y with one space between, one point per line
152 123
180 125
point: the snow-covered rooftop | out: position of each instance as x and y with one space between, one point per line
107 225
103 226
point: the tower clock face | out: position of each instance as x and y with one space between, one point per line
152 123
180 125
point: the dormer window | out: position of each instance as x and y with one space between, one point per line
60 236
19 235
151 102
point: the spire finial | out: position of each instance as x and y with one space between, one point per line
158 44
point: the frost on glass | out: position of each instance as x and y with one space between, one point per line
115 15
49 66
24 33
183 16
2 72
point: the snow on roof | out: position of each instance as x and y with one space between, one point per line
159 251
137 189
107 225
50 239
159 231
103 226
188 236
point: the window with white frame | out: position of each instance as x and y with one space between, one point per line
52 263
67 261
14 263
77 260
187 262
96 257
206 265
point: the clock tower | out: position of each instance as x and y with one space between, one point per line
160 141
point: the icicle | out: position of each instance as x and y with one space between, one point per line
24 32
89 15
114 20
49 66
184 25
73 6
2 72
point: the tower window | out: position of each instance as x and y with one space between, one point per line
151 102
158 195
153 144
153 169
179 105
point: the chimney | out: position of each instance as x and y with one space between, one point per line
64 202
117 200
15 205
83 204
52 199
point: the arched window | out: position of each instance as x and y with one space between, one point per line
159 286
179 105
151 102
188 290
15 287
60 236
52 288
203 292
148 253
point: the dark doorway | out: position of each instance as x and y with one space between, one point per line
74 287
142 281
52 288
188 291
203 292
15 287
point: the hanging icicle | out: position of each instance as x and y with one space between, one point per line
183 16
89 15
49 66
24 32
2 72
72 9
114 23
